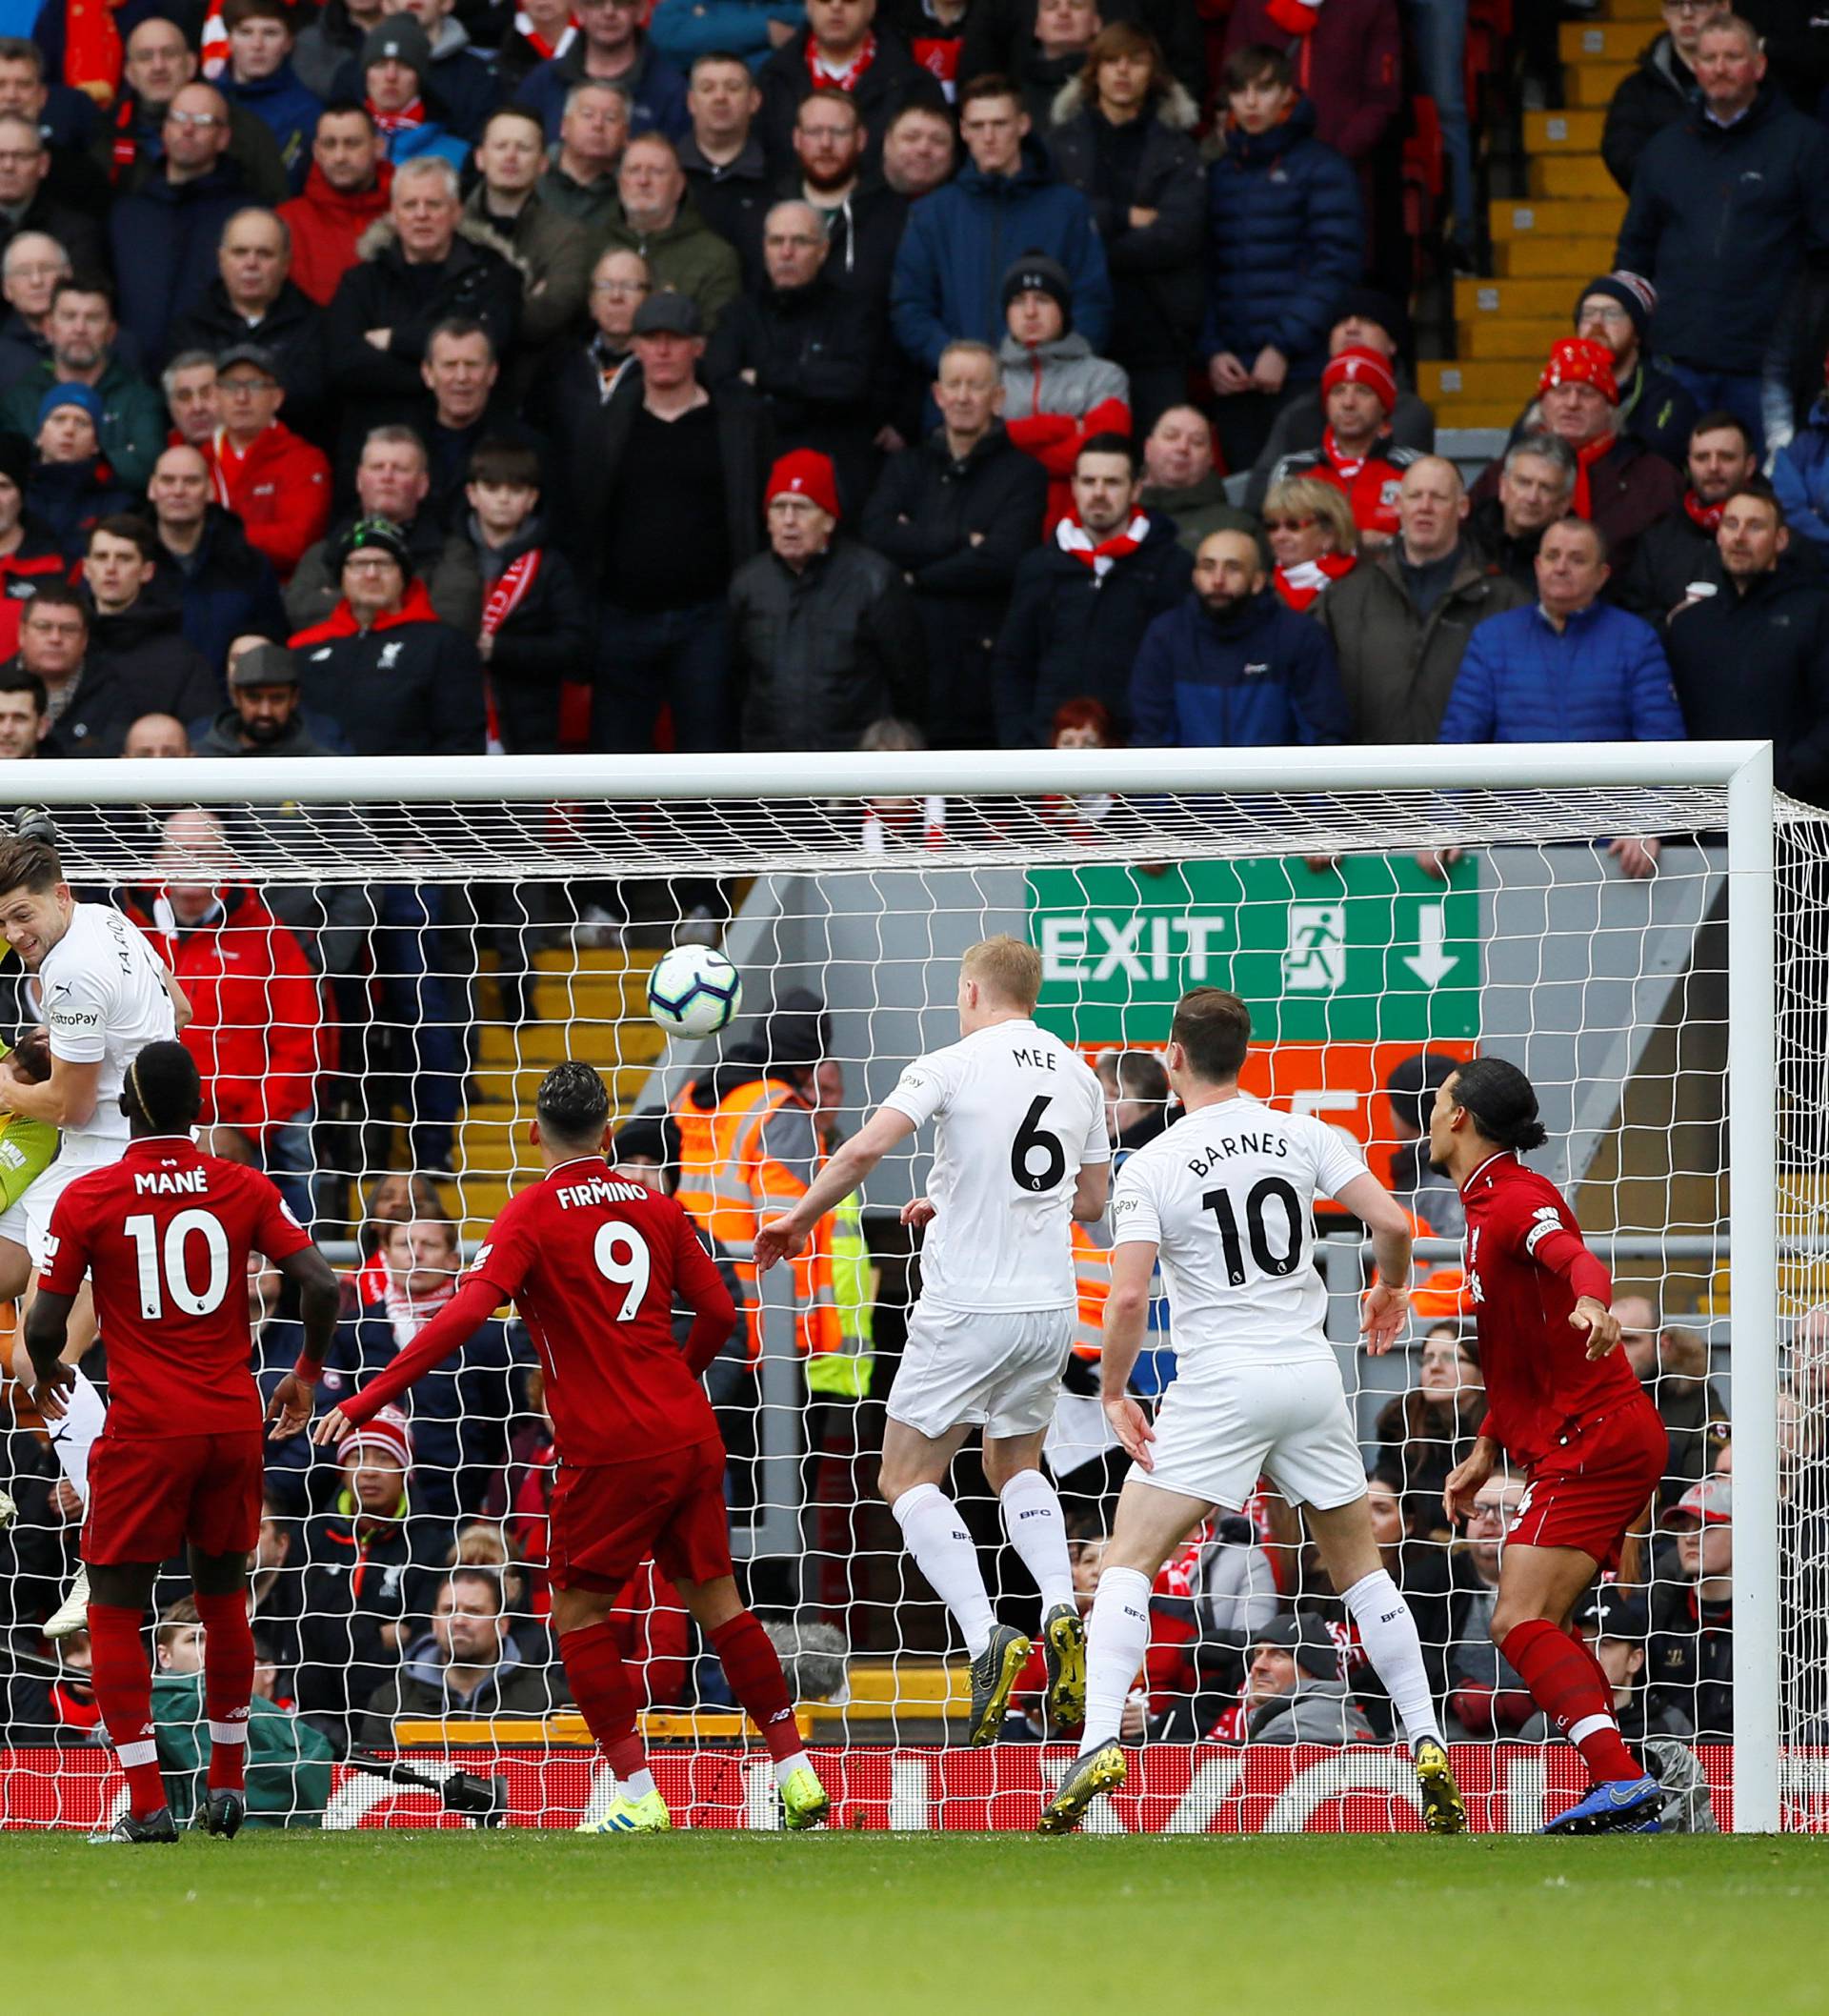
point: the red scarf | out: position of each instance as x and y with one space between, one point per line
127 148
1073 538
507 596
1344 466
1582 503
1708 516
1295 17
846 80
409 1314
1300 584
388 123
531 36
93 49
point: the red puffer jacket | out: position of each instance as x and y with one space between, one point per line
325 227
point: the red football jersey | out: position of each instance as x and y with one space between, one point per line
595 1261
1527 1265
165 1234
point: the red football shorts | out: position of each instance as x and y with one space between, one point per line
609 1518
149 1497
1594 1484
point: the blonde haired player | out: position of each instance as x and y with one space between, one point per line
1020 1151
1226 1197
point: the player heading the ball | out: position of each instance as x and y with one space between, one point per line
1020 1151
594 1262
1563 1403
164 1234
1226 1197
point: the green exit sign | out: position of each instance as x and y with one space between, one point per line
1373 951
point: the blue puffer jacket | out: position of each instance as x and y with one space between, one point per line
1603 677
961 240
1285 241
1801 477
1261 677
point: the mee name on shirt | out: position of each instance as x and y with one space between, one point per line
1019 1114
1227 1196
165 1234
593 1262
101 992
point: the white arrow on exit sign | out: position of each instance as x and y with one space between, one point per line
1430 962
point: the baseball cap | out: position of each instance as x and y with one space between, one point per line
264 665
1711 1502
668 313
256 354
1613 1612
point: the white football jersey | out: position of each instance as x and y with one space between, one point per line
100 994
1227 1194
1019 1115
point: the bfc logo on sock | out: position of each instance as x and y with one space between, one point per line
1034 1512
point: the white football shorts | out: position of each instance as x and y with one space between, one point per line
998 1369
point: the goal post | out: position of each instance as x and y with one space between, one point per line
538 836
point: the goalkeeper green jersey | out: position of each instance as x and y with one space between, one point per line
27 1150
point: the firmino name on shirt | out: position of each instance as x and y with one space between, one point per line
601 1190
171 1182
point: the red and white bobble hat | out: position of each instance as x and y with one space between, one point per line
389 1431
1356 365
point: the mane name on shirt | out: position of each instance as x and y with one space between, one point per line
1223 1151
601 1190
172 1182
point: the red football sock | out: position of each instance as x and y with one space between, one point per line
753 1669
606 1699
1567 1683
228 1685
123 1683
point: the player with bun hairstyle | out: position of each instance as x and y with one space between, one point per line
1564 1404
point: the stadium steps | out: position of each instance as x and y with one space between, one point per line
1561 232
593 1007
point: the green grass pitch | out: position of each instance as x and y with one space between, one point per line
532 1924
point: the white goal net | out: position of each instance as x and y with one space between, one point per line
384 967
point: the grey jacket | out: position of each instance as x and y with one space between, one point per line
1058 377
1396 669
1314 1711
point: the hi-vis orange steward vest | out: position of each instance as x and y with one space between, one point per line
1092 1284
729 1184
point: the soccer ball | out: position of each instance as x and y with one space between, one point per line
695 991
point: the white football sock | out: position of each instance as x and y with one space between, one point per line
934 1534
638 1784
1117 1635
786 1767
1388 1632
74 1437
1032 1518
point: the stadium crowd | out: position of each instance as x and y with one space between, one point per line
411 377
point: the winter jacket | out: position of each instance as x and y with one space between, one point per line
960 241
460 82
409 685
1516 559
164 237
1719 222
1654 409
997 32
479 280
544 642
656 93
686 255
443 561
1602 677
326 226
1656 94
1349 64
733 198
80 235
225 590
1260 676
1158 278
257 1028
815 352
1056 397
1371 486
323 47
822 653
1303 423
1630 489
421 1691
1801 477
864 234
1200 511
785 79
68 499
36 558
1071 634
287 107
146 645
134 423
459 1411
286 1763
685 29
592 203
307 734
921 516
1673 554
280 490
1313 1712
746 436
1396 667
1756 663
1689 1661
22 349
555 254
108 700
135 145
291 330
1285 241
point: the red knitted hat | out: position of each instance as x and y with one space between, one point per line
388 1430
1358 366
805 474
1575 361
